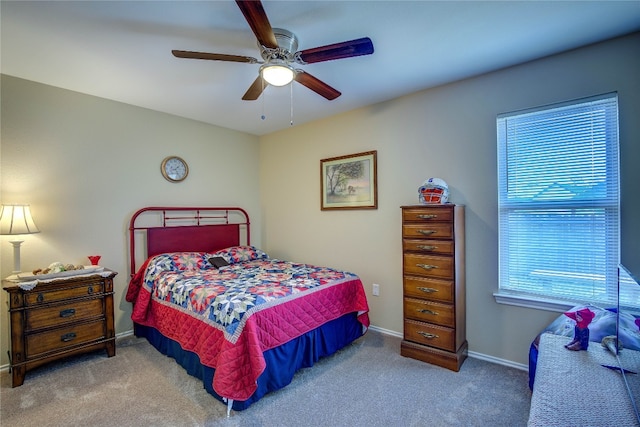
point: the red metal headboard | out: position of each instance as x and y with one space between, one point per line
187 229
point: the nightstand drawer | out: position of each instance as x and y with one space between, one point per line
431 266
431 335
85 289
432 312
443 247
39 318
61 338
432 231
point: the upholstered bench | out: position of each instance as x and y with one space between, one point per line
572 388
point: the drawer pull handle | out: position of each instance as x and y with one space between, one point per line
431 216
428 335
427 232
427 266
40 297
425 311
68 337
427 290
427 248
69 312
90 290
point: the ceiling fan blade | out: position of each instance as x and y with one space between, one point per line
347 49
213 56
257 18
255 90
318 86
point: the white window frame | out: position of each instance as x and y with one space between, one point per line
517 208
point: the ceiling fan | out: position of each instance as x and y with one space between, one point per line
278 49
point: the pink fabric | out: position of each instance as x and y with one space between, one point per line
238 365
136 283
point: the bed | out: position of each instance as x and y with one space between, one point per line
234 317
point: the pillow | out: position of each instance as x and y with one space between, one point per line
173 261
630 331
179 261
236 254
602 325
218 261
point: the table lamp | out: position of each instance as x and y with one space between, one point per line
16 220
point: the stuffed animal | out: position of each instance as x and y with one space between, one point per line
583 318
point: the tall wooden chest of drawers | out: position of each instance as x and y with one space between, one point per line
434 284
60 318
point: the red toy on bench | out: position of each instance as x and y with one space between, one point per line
583 318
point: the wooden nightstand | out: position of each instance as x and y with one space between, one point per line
60 318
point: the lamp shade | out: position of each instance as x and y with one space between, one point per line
16 219
277 73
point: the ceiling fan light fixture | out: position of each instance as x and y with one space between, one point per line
277 73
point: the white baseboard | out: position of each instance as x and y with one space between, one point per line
5 368
386 331
473 354
497 360
125 334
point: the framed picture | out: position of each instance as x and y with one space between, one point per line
349 182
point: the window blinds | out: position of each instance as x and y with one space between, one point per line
559 200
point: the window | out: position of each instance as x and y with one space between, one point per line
558 202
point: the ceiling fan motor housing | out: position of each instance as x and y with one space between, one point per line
286 40
287 46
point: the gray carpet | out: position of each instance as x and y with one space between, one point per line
365 384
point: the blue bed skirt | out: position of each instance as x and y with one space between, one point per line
281 362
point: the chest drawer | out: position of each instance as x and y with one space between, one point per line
65 293
441 247
427 214
429 334
425 265
432 230
433 289
428 311
64 337
38 318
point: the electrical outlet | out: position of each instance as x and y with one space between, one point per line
376 289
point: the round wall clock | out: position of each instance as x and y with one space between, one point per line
174 169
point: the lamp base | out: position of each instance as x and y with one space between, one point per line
16 255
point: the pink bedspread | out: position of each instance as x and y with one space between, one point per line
236 353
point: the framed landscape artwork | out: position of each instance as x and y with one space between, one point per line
349 182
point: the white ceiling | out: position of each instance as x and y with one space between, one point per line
121 50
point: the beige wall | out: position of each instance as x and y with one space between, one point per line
447 132
86 164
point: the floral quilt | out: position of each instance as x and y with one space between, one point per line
230 315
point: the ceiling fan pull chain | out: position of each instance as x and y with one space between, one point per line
291 92
262 116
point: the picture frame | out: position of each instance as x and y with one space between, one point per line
349 182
